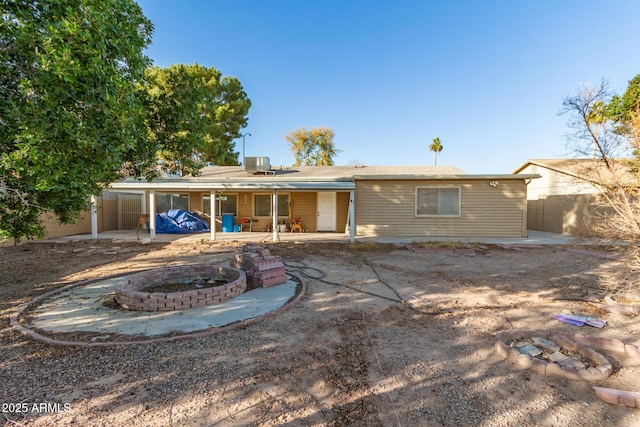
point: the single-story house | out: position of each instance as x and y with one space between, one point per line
403 201
562 200
409 201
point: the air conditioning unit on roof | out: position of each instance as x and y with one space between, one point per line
257 164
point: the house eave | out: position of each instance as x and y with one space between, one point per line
446 177
314 185
310 184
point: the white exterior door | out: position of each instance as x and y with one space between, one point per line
326 211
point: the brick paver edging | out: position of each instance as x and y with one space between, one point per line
601 371
13 320
614 396
132 296
439 250
607 344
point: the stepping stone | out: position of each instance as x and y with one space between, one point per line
546 344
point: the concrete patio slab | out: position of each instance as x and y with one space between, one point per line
82 309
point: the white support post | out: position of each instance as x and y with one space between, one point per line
152 214
347 224
94 218
352 216
275 215
143 203
213 215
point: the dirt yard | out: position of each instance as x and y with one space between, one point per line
387 336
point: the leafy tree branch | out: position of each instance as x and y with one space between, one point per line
313 147
606 127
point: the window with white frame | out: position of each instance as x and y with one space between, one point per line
283 205
226 203
166 201
262 205
437 201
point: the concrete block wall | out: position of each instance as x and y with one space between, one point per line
106 210
568 214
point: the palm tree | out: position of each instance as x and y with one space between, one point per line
436 147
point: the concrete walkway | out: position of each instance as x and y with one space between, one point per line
534 238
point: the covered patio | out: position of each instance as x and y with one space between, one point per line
266 202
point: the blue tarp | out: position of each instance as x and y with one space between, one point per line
177 221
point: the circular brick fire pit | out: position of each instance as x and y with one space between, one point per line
132 295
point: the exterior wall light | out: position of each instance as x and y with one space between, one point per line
494 184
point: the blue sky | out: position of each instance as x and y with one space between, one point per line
486 77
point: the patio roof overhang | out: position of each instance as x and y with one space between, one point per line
238 185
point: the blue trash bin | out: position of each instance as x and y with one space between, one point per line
227 223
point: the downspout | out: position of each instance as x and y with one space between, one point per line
275 215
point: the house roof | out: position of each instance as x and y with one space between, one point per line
302 177
326 172
591 170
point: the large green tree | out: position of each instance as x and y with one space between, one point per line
70 111
313 147
194 115
620 107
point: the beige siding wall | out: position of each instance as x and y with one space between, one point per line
195 202
388 208
304 206
553 183
342 211
245 205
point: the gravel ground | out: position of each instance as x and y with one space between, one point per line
384 336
